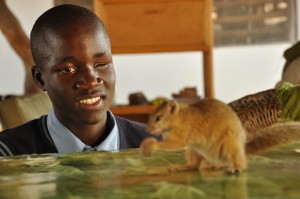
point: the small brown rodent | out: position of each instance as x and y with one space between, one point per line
212 134
209 129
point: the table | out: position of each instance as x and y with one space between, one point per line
127 174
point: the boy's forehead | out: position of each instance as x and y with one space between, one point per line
67 40
75 31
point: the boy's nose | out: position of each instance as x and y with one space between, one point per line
89 78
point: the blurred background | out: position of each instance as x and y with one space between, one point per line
249 38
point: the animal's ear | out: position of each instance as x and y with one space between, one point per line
174 106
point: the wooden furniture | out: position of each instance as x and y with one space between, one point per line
17 110
144 26
139 113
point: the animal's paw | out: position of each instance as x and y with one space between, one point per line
208 166
148 146
173 168
181 168
233 172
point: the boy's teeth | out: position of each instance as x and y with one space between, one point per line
89 101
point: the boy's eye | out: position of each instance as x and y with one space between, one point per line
101 64
69 70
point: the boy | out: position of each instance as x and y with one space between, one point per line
71 49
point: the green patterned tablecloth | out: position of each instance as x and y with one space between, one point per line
127 174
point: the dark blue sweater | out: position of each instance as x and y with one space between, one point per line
33 137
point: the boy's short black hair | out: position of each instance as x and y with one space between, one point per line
55 19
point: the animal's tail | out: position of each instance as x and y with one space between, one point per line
276 135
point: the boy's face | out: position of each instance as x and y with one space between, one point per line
78 73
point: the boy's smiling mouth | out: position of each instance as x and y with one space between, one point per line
90 101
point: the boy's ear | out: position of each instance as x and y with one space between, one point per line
38 77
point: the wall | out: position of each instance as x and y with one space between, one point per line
12 73
238 71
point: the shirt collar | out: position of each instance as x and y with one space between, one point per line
66 142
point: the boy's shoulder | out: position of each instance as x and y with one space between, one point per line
28 138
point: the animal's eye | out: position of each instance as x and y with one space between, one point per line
158 118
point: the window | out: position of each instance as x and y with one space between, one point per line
244 22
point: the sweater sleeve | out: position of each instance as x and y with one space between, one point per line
132 133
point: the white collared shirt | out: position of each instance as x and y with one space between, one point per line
66 142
